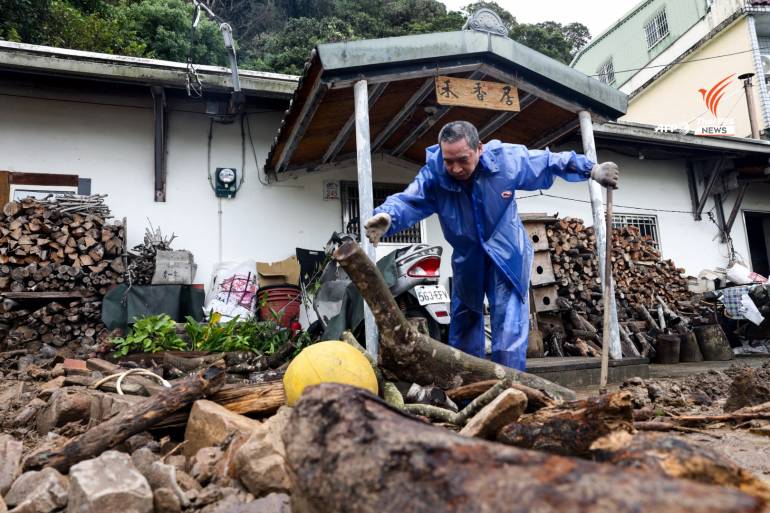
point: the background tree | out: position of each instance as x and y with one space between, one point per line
272 35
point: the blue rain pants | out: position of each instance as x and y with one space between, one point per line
509 318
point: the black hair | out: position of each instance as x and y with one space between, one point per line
457 130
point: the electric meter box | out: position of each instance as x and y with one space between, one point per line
225 182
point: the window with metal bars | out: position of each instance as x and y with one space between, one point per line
648 225
606 72
412 235
656 29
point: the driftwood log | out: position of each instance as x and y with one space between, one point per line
415 357
350 452
119 428
760 411
569 429
674 457
535 398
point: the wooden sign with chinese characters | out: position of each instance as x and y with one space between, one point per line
477 93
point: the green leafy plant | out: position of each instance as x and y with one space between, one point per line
262 337
217 337
149 335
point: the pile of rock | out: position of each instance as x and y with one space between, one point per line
227 462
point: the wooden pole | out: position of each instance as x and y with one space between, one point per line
608 296
365 196
595 190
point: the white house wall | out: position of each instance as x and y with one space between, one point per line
112 145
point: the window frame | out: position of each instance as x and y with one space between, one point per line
381 190
658 22
645 222
606 72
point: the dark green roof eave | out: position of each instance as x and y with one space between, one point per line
349 58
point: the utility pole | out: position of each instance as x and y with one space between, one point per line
746 77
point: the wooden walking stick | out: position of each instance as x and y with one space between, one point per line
606 334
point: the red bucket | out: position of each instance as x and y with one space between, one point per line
283 300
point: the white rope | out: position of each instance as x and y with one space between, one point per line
121 375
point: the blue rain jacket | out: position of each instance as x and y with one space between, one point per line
486 221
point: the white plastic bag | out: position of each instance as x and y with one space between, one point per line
740 275
233 290
750 311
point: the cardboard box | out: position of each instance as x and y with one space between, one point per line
284 272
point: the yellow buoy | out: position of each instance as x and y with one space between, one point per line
332 361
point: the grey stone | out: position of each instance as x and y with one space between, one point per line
225 472
273 503
143 439
260 462
177 460
10 462
39 491
187 482
210 424
109 483
162 475
204 464
143 459
166 501
64 406
106 405
3 507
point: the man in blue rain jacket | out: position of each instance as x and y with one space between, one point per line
472 186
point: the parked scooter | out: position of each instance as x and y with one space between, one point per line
416 289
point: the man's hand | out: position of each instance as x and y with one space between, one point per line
607 174
376 227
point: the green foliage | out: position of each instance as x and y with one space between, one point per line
216 337
164 27
263 337
274 35
149 335
143 28
156 333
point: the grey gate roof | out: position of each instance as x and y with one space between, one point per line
404 114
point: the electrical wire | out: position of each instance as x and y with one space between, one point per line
193 82
541 193
675 63
253 150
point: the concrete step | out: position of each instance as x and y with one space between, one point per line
575 372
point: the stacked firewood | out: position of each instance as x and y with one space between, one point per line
650 292
75 323
639 273
59 256
49 246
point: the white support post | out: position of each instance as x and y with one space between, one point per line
365 196
597 206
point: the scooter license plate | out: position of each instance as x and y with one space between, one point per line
431 294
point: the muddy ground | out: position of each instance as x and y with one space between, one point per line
713 388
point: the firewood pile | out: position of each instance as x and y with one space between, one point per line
47 245
76 323
58 257
651 293
141 258
639 273
453 448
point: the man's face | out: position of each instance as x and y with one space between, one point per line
460 160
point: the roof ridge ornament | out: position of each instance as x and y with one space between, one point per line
486 20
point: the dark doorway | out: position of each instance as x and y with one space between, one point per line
758 233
